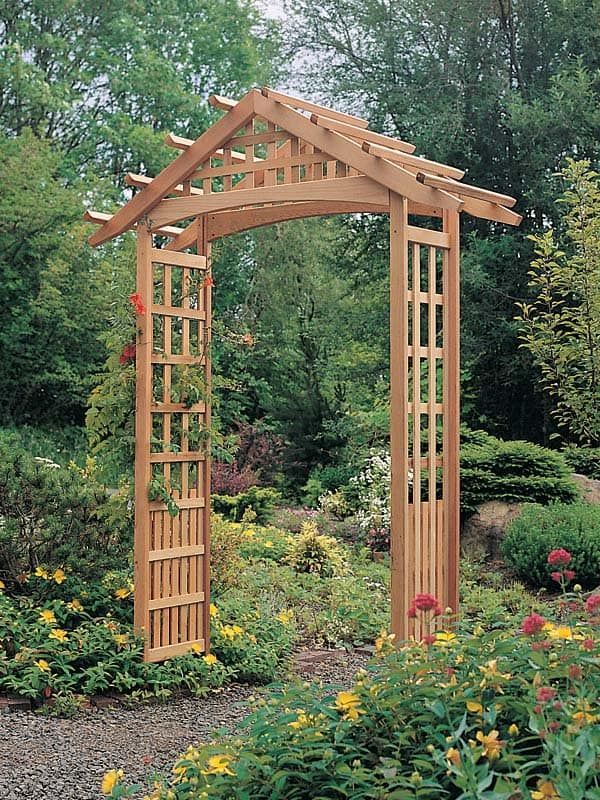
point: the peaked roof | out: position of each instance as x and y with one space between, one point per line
323 160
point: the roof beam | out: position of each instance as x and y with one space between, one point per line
180 143
141 181
466 190
100 218
178 170
387 174
306 105
491 211
362 135
412 161
223 103
339 189
187 237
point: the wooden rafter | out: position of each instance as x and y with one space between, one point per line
305 105
360 134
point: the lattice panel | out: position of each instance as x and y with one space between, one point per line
424 417
172 476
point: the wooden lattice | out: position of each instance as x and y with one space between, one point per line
273 158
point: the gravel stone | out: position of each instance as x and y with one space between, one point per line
65 759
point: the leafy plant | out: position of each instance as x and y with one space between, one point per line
313 552
583 460
539 529
260 500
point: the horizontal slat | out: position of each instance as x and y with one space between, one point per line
438 299
172 650
174 259
438 352
431 238
177 408
141 181
100 218
260 166
178 311
190 502
258 138
425 462
438 408
176 601
176 552
171 458
163 358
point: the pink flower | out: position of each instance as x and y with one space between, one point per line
569 574
575 672
592 604
556 576
412 612
588 644
429 639
554 726
546 644
533 624
559 557
545 694
425 602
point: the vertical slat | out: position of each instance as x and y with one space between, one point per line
271 174
432 427
143 433
400 539
204 248
416 550
451 392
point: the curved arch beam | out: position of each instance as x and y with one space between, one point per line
364 190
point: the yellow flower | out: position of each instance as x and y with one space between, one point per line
75 605
40 572
545 791
474 707
491 744
2 585
59 635
561 632
453 756
42 665
349 704
210 659
219 765
121 639
444 638
249 533
47 616
584 714
231 631
268 543
285 617
301 721
213 610
110 780
59 576
513 730
492 675
196 648
122 593
385 641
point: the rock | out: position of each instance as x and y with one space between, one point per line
483 531
590 488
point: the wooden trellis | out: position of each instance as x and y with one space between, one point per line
272 158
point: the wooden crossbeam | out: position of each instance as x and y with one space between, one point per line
408 160
314 108
100 218
180 143
466 190
141 181
224 103
361 134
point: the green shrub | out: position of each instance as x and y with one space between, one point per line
257 498
583 460
315 553
477 716
226 563
539 529
56 516
516 471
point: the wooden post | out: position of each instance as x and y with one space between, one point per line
401 551
143 432
451 394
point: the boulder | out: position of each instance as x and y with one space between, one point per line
483 531
590 488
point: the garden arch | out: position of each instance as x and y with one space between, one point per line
270 158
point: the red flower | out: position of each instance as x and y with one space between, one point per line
426 602
592 604
559 557
554 726
545 645
208 281
128 353
545 694
556 576
429 639
136 301
537 709
532 624
588 644
575 672
412 612
569 574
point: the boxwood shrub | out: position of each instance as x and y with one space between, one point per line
515 471
539 529
584 460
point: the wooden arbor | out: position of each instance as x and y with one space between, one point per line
271 158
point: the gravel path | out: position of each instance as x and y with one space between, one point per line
65 759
